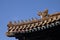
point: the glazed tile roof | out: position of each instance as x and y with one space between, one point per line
34 24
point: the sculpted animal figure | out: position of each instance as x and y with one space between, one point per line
43 14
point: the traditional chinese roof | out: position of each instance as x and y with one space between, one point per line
34 25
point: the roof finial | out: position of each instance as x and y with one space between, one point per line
10 24
43 14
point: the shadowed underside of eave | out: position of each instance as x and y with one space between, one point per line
48 34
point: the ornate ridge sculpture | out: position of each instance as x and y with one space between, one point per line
24 28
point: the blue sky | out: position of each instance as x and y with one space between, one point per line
14 10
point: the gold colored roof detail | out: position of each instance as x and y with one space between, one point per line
34 23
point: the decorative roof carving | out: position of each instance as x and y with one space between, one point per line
34 24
